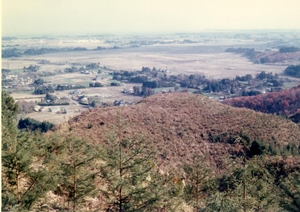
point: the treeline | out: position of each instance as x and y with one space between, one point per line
139 76
158 84
96 84
156 78
69 87
30 124
89 66
285 102
45 89
293 71
32 68
67 173
267 56
55 103
256 147
14 52
249 53
285 49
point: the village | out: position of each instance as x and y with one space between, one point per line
62 77
103 88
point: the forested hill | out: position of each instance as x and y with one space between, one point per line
285 102
170 152
179 125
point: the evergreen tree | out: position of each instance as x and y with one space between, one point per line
25 181
198 174
8 118
172 187
128 172
248 186
77 171
290 195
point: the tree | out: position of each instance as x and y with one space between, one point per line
293 70
42 89
98 84
38 81
26 107
50 97
77 174
290 187
137 90
34 125
248 185
25 178
128 172
198 174
285 49
115 84
8 117
147 91
246 188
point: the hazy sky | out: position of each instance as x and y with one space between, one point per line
25 17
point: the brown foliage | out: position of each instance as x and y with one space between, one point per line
180 125
285 102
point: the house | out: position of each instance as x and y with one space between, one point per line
84 101
43 109
118 102
127 91
74 92
11 76
36 108
54 109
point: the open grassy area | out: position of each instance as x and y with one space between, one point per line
210 60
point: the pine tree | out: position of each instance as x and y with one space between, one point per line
25 181
76 161
172 186
198 174
128 173
25 178
248 186
290 195
8 118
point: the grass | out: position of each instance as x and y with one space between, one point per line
290 85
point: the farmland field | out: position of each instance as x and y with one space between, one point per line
209 59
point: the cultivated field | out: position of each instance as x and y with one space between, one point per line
106 94
208 59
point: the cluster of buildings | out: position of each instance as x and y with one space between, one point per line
13 80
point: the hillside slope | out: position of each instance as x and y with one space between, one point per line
179 125
285 102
